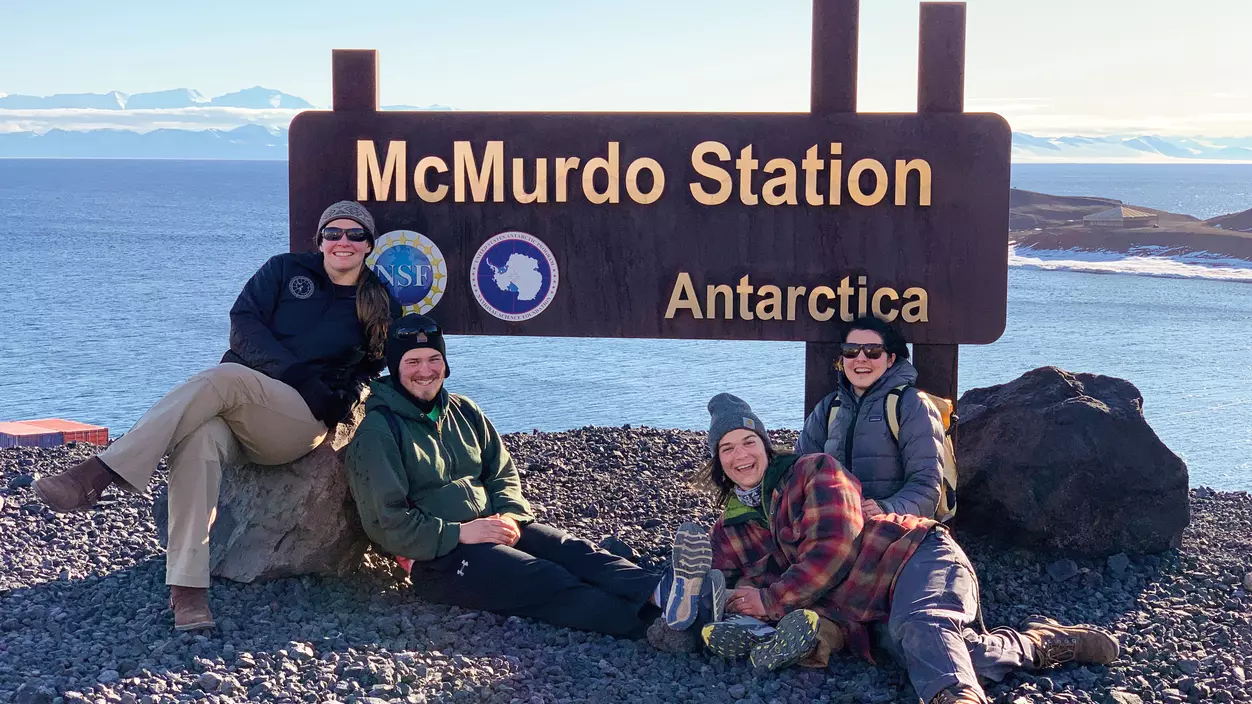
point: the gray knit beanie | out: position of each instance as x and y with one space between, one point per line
729 412
351 210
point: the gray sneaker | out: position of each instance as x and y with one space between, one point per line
690 565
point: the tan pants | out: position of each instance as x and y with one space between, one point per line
218 417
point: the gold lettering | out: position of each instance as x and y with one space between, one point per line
728 300
425 164
879 295
836 174
610 166
540 194
491 174
707 170
862 305
683 297
811 165
769 308
915 311
368 172
746 165
787 181
744 289
632 180
903 169
564 165
845 298
880 182
817 294
793 294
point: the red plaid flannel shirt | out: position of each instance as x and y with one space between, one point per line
815 550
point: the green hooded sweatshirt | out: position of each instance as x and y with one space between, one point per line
414 493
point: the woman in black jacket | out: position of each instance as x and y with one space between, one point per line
306 334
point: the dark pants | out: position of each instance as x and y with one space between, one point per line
933 610
549 576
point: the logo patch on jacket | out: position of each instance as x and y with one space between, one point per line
301 287
875 419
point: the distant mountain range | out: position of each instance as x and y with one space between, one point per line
251 124
1028 148
255 98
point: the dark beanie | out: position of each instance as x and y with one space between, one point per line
351 210
413 331
729 412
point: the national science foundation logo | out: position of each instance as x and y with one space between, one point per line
514 276
412 267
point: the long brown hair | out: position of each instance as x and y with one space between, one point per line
373 309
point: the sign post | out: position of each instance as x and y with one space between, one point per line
747 226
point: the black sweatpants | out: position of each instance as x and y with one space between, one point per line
549 576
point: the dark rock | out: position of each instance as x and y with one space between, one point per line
1067 462
30 693
284 521
619 547
1062 570
21 481
1118 563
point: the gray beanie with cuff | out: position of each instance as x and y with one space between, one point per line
350 210
729 412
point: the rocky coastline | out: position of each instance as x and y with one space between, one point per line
83 613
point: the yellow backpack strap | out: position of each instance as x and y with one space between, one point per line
893 410
830 415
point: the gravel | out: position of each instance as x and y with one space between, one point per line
84 616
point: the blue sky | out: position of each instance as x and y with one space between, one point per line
1050 66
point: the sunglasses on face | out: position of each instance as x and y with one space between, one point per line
411 331
334 234
850 350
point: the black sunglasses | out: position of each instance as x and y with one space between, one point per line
409 331
334 234
850 350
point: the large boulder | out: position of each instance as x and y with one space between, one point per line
285 520
1066 462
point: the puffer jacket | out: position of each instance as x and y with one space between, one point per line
902 477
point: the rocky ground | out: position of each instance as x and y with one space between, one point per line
83 613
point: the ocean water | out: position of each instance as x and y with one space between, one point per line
117 277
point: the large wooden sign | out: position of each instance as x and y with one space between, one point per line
715 226
768 227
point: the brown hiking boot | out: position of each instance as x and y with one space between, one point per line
959 694
1056 644
77 488
191 608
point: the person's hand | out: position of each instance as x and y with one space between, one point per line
517 529
493 529
746 601
870 508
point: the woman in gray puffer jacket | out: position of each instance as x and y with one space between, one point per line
896 477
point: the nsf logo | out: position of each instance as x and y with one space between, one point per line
412 267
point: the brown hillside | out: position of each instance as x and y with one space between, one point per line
1055 222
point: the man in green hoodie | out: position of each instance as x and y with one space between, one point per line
436 487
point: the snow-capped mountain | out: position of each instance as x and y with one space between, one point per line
1129 148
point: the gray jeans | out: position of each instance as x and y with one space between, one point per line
929 628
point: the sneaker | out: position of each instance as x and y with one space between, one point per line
690 565
737 636
77 488
714 595
1056 644
795 637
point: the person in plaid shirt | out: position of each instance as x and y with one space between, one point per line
792 536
